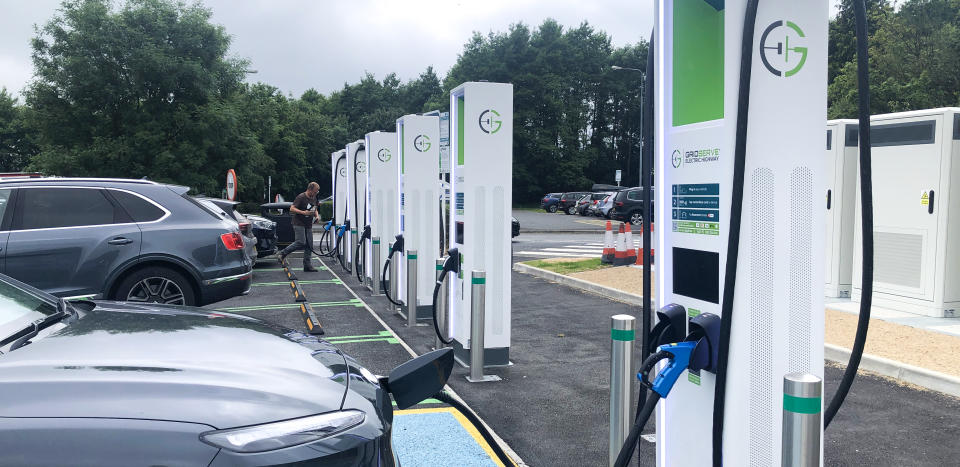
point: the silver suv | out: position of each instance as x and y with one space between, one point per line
132 240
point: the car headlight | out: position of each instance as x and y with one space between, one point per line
278 435
265 224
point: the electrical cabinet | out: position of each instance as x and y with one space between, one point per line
841 184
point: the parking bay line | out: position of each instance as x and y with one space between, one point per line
351 302
287 283
320 268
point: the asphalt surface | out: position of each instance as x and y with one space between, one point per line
552 405
542 221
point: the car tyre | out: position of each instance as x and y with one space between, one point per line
571 210
156 284
552 209
636 218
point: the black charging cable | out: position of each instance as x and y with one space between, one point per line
397 247
451 264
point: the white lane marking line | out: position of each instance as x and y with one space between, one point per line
547 253
503 444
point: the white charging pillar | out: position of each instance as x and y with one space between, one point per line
383 178
418 139
338 169
356 195
481 136
777 325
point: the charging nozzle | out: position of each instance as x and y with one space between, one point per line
397 245
705 334
670 329
366 233
681 353
451 264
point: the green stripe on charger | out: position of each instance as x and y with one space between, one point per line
806 405
479 280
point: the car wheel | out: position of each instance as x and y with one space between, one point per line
571 210
552 208
156 285
636 218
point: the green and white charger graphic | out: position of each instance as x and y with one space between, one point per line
783 48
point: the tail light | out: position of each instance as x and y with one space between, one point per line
619 203
244 227
232 240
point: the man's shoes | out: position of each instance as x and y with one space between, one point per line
309 269
281 257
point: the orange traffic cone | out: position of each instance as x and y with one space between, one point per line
631 251
608 253
620 256
640 256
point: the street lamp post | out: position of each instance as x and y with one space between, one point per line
630 142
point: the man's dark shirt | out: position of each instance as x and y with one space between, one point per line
303 203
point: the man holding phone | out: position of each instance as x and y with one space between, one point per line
304 211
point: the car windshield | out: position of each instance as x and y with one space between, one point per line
212 207
20 306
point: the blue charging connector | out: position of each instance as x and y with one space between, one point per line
328 225
682 352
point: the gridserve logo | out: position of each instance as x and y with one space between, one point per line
422 143
490 121
384 155
778 56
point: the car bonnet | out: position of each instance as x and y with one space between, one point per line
172 363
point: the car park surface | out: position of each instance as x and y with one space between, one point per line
115 238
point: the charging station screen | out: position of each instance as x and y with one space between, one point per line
696 274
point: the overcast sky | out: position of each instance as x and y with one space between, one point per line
301 44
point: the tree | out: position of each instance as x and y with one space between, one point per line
144 91
15 145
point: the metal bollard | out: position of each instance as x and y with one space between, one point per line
353 248
411 288
441 305
375 268
802 402
478 302
622 330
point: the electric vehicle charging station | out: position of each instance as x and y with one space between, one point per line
917 269
383 178
481 178
841 176
777 327
338 167
417 138
356 196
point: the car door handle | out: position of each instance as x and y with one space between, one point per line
120 241
829 193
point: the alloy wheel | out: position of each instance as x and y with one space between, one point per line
156 290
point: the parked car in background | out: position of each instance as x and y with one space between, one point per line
515 227
108 383
134 240
258 232
603 210
628 206
568 201
584 204
550 202
227 210
279 213
265 231
594 209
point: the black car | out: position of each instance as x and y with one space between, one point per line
110 383
260 232
119 239
568 201
280 214
628 206
514 227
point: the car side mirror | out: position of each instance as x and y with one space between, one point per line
420 378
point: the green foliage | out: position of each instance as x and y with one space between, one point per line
16 148
568 267
914 57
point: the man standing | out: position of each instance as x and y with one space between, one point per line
304 209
